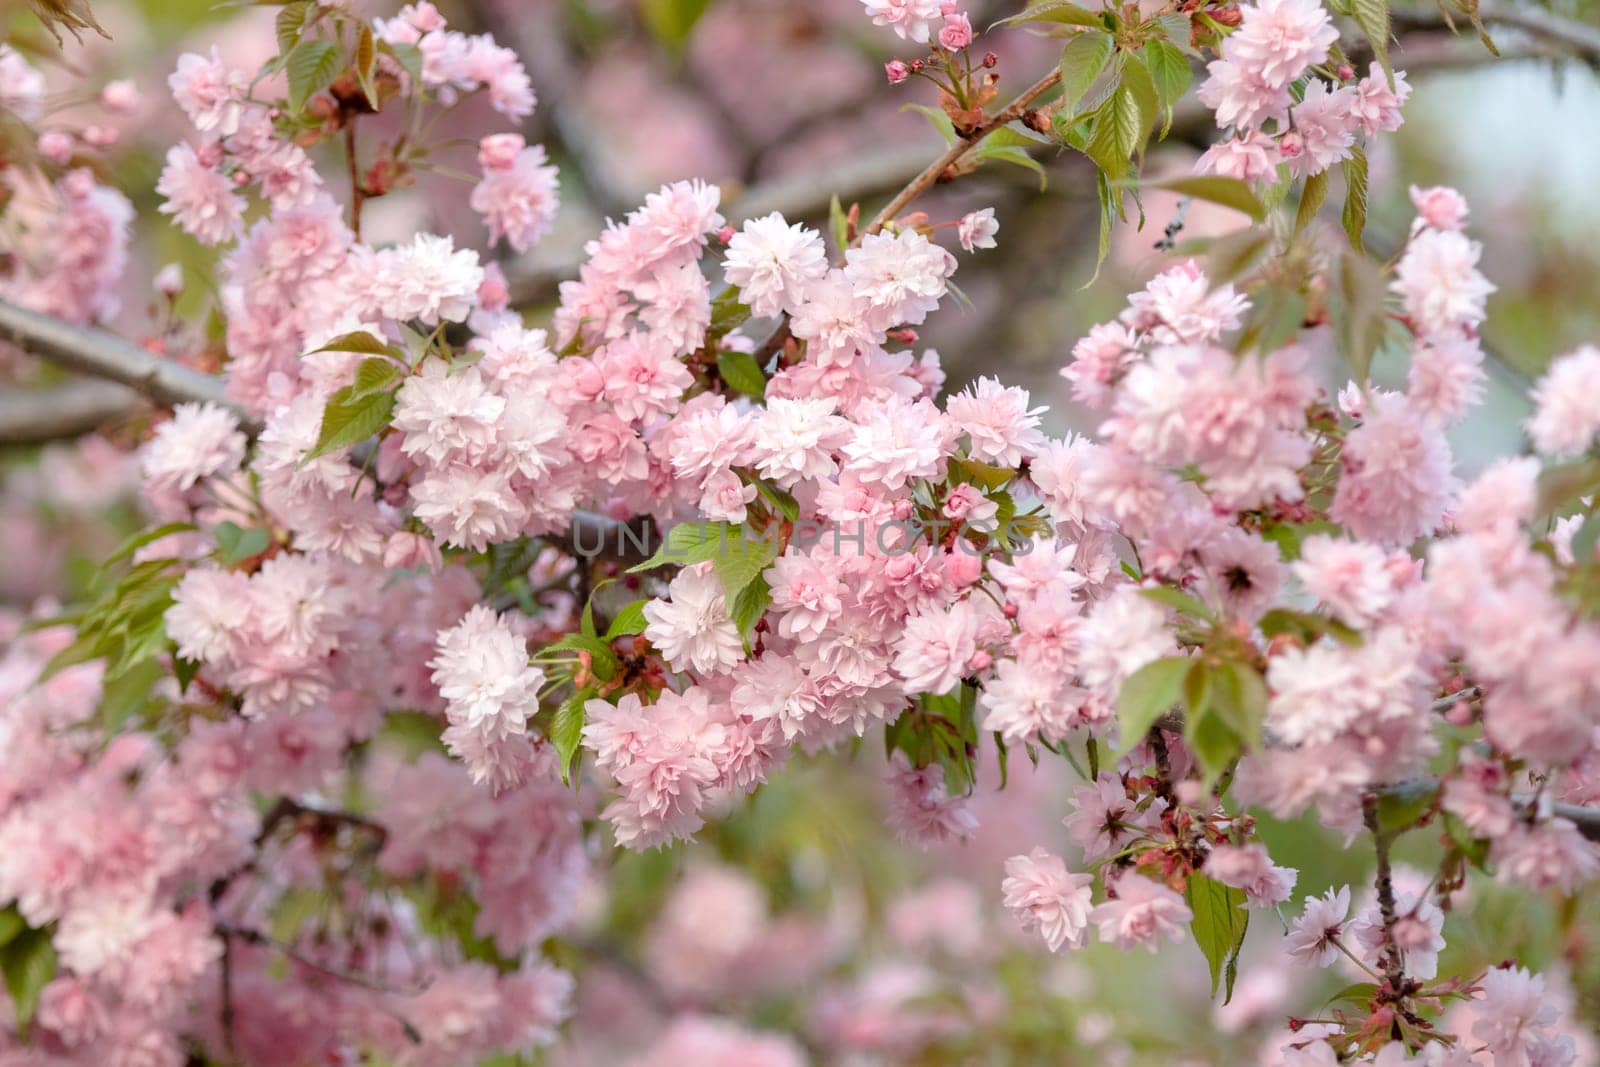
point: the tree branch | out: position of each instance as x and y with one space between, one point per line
61 412
1579 39
101 354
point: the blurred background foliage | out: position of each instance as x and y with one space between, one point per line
860 949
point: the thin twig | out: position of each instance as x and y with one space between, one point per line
256 937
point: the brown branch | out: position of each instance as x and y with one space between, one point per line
1577 39
228 931
963 144
1393 970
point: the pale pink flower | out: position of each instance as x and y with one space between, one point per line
935 649
1311 939
902 276
208 92
1417 934
1324 129
1440 207
518 200
200 441
1547 855
921 811
1567 404
774 263
447 413
1140 912
1513 1010
1248 867
1351 578
1047 899
1396 478
429 279
1438 282
483 673
199 198
21 85
999 426
1249 157
1123 633
977 229
1446 378
1103 819
911 19
956 33
1376 105
795 440
1179 305
691 627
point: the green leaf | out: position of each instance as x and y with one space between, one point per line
1082 61
1239 697
1307 626
1361 327
672 21
1278 316
738 554
128 693
1177 28
782 502
629 622
184 670
366 61
1219 925
602 660
986 476
1373 18
1474 849
310 66
237 544
1313 194
1229 192
1354 215
363 342
29 963
351 418
291 20
1147 694
941 121
1210 738
1177 598
1116 133
1170 73
409 56
146 537
751 603
1400 806
11 924
741 371
1563 485
1060 11
1232 254
838 224
566 729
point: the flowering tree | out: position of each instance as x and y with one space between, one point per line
437 608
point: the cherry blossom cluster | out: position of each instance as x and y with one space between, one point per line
1239 598
1284 104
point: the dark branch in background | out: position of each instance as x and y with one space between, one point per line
1571 38
62 412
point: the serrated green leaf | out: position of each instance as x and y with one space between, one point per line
1313 194
1219 924
1170 73
360 341
1083 60
310 67
1177 28
750 605
1147 694
1063 12
602 660
782 502
1136 79
1373 18
741 371
566 729
291 19
1211 739
1354 215
1116 133
629 622
738 554
350 419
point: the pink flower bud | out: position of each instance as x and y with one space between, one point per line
725 234
1346 72
980 661
406 550
121 97
169 281
957 32
897 71
493 293
56 147
498 151
902 510
100 136
1440 207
